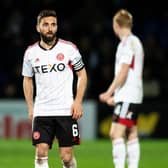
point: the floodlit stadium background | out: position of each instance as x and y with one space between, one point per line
88 24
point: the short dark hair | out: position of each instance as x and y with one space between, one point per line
45 13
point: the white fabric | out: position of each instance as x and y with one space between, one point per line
129 49
133 150
73 164
53 76
43 163
119 153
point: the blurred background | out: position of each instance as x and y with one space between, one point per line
88 24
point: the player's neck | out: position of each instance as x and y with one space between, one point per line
48 45
124 33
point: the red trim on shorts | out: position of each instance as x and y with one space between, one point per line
127 122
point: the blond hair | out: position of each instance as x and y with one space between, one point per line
123 18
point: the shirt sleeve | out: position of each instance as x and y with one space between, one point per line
27 69
76 59
127 55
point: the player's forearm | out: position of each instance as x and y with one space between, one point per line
81 86
118 82
120 79
112 87
28 92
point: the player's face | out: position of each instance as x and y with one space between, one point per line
115 27
47 28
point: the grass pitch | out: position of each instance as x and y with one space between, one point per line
90 154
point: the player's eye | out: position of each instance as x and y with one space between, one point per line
53 24
45 24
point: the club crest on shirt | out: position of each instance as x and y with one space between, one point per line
60 56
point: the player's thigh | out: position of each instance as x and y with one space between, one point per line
132 132
117 130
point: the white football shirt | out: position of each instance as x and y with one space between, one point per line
53 70
130 51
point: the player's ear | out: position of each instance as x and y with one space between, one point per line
37 28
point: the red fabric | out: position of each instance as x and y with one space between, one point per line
127 122
133 62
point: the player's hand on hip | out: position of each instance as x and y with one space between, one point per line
76 110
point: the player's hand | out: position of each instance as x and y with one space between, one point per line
76 110
110 101
104 97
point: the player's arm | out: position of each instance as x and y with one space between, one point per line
81 85
80 91
118 81
28 93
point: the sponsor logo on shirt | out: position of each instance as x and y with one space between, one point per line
49 68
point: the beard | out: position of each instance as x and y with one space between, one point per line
48 39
